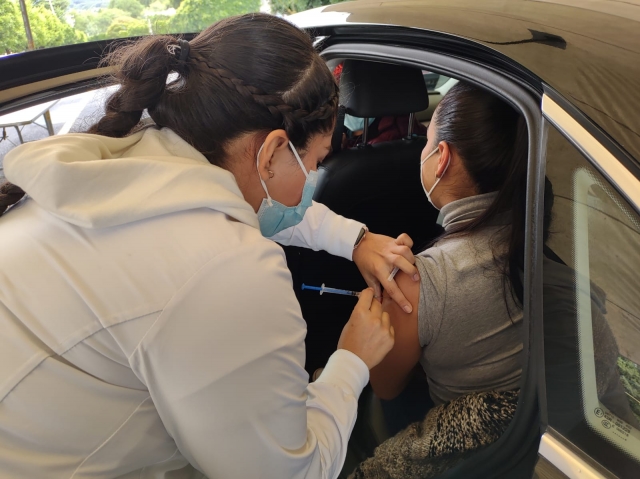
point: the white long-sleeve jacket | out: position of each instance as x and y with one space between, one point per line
147 328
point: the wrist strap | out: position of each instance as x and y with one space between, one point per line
361 236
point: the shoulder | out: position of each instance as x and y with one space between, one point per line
411 291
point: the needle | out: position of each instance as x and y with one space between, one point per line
393 274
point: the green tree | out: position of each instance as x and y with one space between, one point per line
288 7
49 31
123 27
95 24
196 15
12 36
157 6
133 7
60 7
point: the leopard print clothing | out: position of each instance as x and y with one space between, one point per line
448 434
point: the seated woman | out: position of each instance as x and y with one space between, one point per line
465 325
465 328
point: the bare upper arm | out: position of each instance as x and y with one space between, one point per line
389 378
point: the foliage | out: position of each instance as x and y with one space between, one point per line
60 7
123 27
157 6
630 378
12 36
133 7
289 7
160 24
196 15
49 31
96 24
89 20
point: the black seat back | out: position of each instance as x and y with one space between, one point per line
378 185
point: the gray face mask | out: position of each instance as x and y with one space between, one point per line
428 193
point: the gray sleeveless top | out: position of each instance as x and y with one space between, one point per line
471 339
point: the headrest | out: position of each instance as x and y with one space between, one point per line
372 89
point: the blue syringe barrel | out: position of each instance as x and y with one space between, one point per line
312 288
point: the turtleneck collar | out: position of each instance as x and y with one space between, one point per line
465 209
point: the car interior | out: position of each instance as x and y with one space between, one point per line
378 185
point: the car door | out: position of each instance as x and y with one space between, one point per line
590 387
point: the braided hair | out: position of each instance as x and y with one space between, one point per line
250 73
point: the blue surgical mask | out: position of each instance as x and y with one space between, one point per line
275 217
428 193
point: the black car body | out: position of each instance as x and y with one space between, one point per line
572 68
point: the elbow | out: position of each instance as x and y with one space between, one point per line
387 391
387 395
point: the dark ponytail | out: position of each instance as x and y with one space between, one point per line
141 69
251 73
10 194
491 138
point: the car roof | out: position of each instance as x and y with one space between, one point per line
586 50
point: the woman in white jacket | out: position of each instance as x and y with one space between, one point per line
148 328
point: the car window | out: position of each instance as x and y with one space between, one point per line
36 24
437 86
73 114
591 300
435 82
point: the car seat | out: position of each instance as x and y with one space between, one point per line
378 185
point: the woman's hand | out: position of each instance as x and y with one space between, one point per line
368 334
376 257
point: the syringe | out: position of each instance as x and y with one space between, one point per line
324 289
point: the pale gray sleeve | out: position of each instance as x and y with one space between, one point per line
433 292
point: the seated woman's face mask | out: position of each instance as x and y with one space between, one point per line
274 216
428 192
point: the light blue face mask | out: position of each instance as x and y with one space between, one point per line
275 217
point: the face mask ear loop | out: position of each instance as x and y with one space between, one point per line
428 156
438 179
264 186
445 169
304 170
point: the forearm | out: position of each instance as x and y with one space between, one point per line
322 229
332 408
227 376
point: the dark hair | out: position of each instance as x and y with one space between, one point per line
250 73
491 138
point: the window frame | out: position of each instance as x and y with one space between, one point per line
623 176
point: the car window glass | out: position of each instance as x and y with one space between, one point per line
591 318
36 24
72 114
